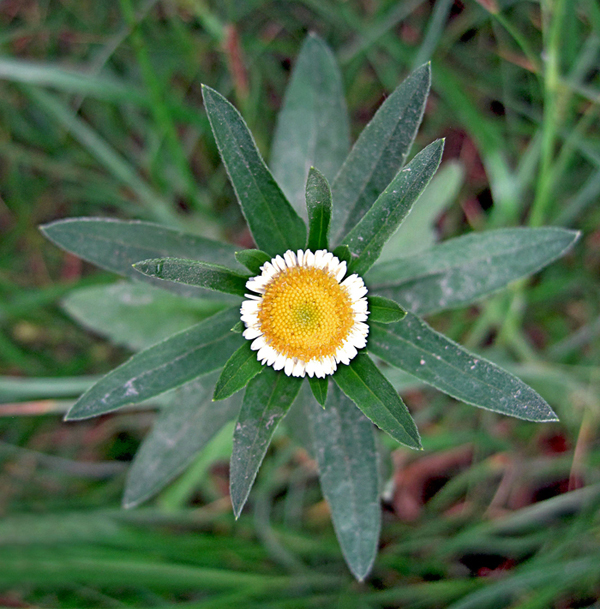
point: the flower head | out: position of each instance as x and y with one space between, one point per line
304 317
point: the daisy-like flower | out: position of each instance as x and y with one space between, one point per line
304 317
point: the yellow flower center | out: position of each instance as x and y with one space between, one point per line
305 313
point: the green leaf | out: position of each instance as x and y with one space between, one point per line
239 327
344 445
252 260
266 401
181 430
116 245
379 152
366 386
462 270
367 238
318 387
318 205
135 315
312 127
384 310
343 253
193 272
274 224
240 368
178 359
418 231
416 348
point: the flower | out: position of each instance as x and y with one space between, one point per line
303 318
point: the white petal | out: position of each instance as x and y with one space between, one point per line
279 362
279 263
309 258
299 368
290 259
257 343
289 366
341 271
252 333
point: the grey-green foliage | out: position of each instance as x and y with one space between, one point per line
380 151
418 231
240 368
181 430
312 126
372 195
344 447
415 347
115 245
195 273
176 360
135 315
380 222
267 399
318 206
275 225
462 270
368 388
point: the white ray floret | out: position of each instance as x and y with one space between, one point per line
304 306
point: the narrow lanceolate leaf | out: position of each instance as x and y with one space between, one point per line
344 446
416 348
462 270
312 127
318 206
181 430
136 315
274 224
252 259
319 386
379 152
240 368
176 360
115 245
384 310
266 401
193 272
366 386
367 238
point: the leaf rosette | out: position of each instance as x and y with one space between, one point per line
372 192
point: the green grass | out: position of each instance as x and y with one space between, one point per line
100 114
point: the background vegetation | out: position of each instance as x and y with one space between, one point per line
100 114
